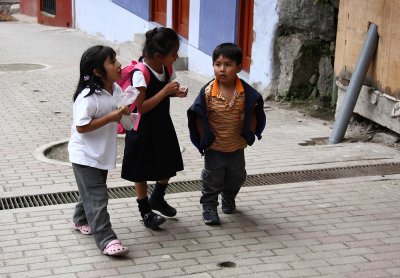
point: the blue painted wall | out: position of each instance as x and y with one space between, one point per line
140 8
217 23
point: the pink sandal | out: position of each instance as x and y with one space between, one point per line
115 248
84 229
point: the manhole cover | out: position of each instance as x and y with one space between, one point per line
59 151
21 67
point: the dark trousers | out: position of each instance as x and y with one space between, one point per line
223 173
92 204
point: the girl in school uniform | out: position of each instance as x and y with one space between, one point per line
152 152
93 144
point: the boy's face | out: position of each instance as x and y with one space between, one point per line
225 69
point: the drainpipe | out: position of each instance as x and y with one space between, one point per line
356 81
73 23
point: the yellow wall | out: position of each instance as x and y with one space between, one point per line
353 22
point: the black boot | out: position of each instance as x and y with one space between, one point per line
150 219
157 201
228 206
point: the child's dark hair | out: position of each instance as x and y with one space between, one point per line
93 58
228 50
161 40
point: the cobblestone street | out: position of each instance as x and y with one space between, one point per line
345 227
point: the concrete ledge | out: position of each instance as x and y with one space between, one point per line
181 63
373 105
9 2
14 9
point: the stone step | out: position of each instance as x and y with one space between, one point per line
9 6
8 2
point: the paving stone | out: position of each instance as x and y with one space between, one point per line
345 227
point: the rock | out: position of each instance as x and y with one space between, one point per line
304 16
270 92
313 80
335 3
289 52
298 59
314 94
325 77
386 138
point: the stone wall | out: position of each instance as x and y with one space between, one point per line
304 50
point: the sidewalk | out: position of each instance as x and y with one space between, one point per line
332 228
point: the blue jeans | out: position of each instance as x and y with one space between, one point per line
92 204
223 173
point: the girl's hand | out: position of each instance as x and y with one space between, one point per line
116 115
183 91
113 116
124 110
172 88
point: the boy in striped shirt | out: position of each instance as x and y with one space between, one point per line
226 116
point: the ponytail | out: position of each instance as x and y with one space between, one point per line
160 40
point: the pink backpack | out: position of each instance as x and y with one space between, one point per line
125 81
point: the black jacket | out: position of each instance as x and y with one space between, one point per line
199 109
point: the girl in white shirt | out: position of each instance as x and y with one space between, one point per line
93 144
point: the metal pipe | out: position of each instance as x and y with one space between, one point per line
356 81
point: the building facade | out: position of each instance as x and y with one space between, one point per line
201 24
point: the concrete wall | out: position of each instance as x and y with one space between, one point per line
63 17
28 7
374 105
206 30
138 7
265 26
104 18
218 23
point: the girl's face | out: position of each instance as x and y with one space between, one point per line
225 69
113 69
171 57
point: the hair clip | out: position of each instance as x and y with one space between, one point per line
86 77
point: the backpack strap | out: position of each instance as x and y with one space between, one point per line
169 68
142 67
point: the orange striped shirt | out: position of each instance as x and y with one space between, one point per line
226 117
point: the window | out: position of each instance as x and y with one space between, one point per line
49 6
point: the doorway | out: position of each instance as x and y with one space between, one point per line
246 8
159 11
180 17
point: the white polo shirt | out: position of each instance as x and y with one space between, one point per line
97 148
